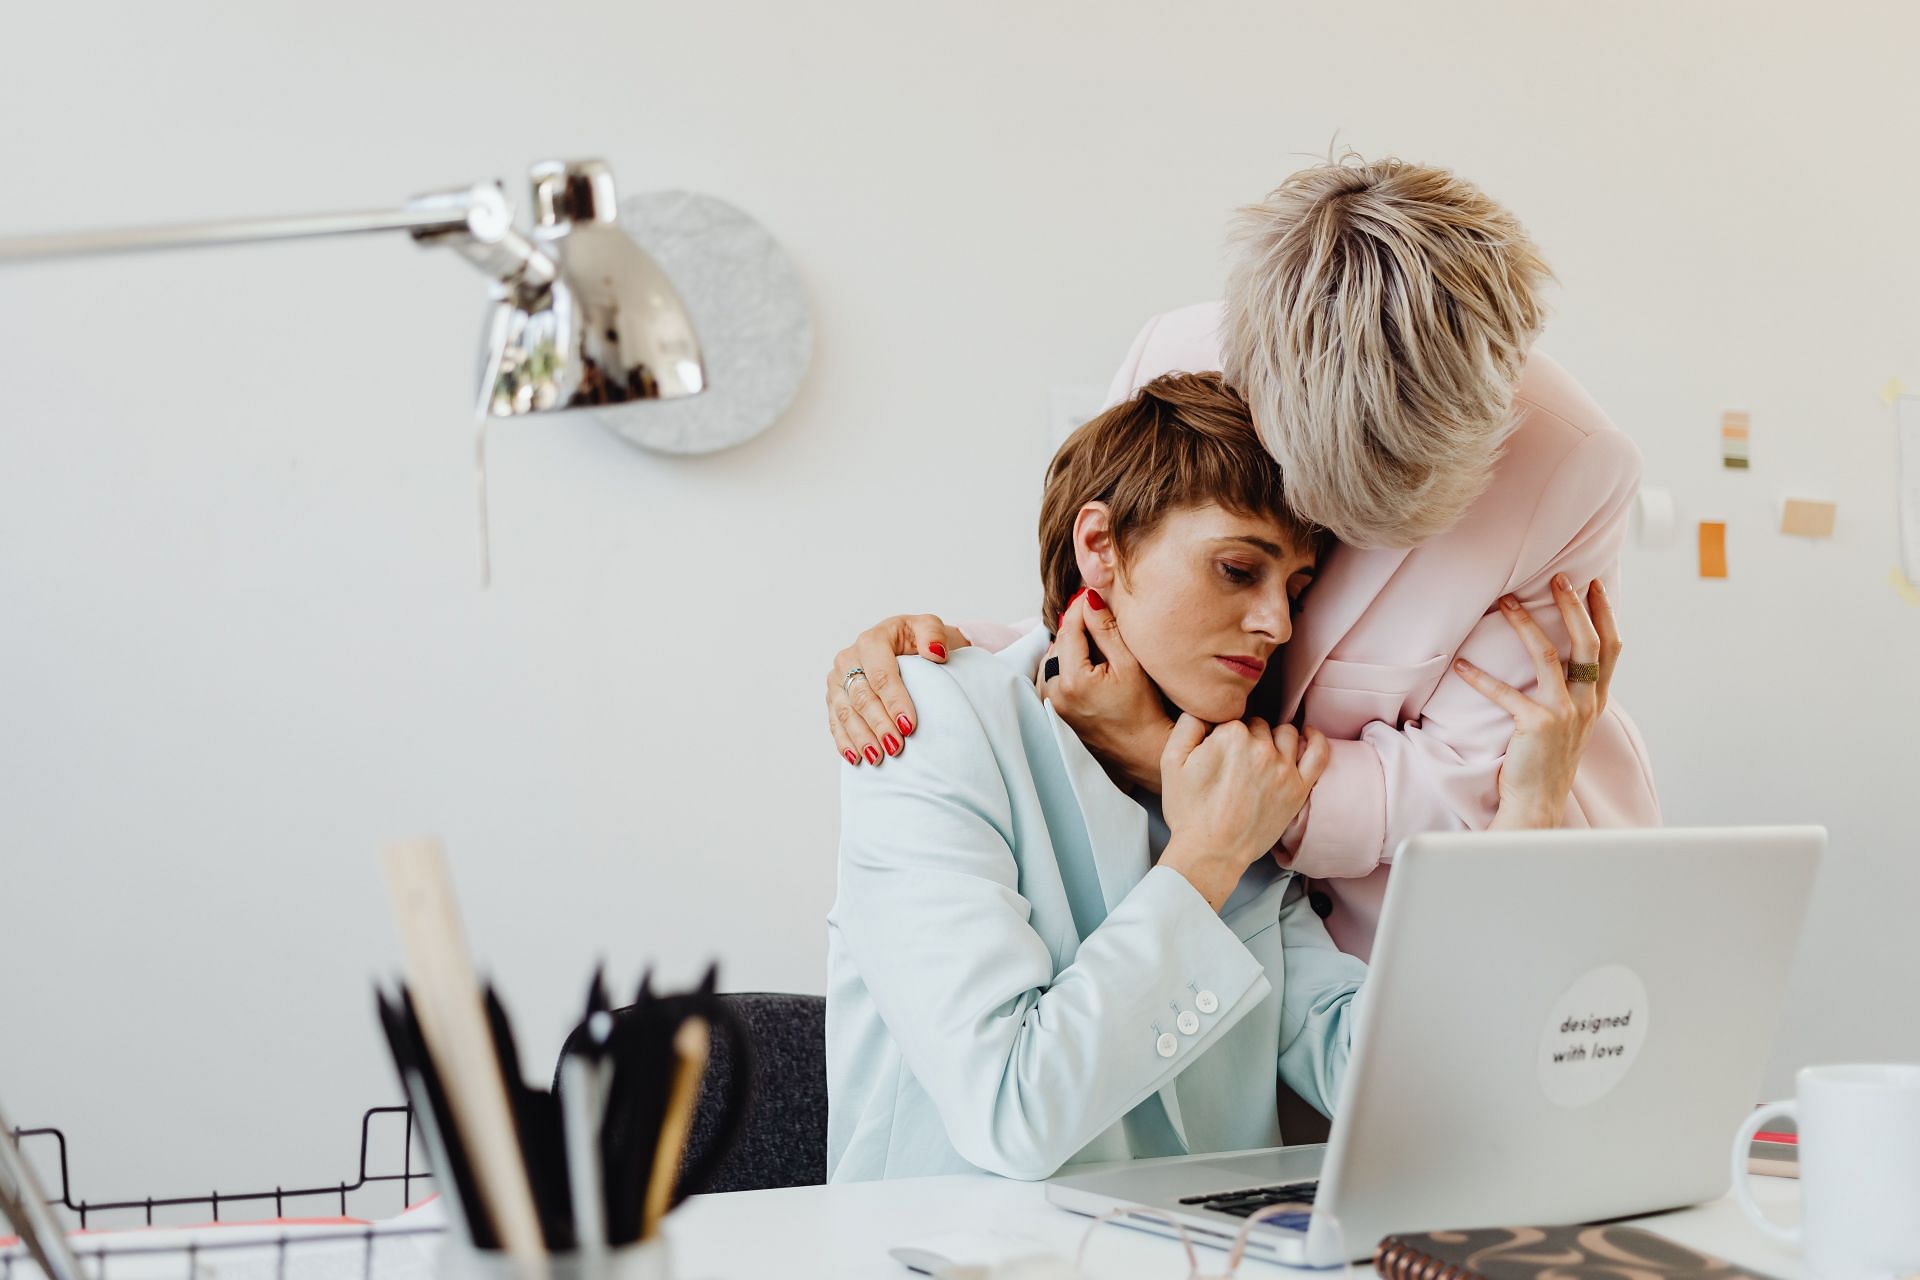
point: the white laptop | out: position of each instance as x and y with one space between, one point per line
1558 1027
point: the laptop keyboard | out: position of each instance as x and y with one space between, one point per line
1247 1202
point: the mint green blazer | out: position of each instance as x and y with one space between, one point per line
1012 987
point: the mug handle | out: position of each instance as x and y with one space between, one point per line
1742 1143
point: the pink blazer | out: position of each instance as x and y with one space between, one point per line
1415 748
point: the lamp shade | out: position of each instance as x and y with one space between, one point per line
605 327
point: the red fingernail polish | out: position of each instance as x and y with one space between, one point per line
906 726
892 744
1063 612
873 755
1094 601
852 759
938 650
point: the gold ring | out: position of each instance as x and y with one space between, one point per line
1583 673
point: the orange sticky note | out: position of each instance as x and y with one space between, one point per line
1713 549
1807 518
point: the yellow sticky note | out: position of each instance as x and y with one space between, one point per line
1892 391
1713 549
1807 518
1906 590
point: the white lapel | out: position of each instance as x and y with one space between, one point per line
1117 834
1116 824
1024 654
1346 587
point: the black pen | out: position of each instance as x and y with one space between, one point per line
536 1122
404 1035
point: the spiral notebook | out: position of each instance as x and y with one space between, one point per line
1570 1253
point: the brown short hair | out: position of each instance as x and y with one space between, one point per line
1183 440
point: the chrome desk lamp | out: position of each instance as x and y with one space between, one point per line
581 316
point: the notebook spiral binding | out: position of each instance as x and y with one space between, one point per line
1397 1260
96 1261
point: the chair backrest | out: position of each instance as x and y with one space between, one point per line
783 1141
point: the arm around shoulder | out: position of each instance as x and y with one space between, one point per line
1025 1064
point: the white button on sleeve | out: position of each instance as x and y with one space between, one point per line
1207 1002
1188 1022
1166 1046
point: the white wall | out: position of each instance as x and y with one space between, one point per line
244 644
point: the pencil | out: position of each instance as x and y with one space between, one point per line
691 1046
453 1027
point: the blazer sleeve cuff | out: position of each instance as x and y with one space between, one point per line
1342 832
1203 970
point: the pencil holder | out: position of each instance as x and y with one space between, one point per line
647 1260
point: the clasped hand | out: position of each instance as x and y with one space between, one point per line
1229 792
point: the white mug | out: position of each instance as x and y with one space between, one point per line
1859 1150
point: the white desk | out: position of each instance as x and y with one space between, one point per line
843 1232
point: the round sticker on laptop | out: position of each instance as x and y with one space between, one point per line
1593 1035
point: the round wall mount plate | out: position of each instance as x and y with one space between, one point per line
749 309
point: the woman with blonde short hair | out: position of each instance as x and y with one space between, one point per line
1028 966
1380 321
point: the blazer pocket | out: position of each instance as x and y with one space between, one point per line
1345 697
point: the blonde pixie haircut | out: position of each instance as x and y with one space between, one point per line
1182 440
1378 315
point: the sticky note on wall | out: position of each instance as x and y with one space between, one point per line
1735 429
1902 588
1907 419
1713 549
1807 518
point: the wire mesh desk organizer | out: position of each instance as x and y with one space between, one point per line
573 1184
238 1244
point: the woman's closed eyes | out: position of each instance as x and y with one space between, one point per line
1244 576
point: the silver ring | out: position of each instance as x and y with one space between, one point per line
853 673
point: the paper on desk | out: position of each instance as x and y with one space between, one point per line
1907 419
404 1248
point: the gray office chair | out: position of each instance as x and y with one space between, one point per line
782 1138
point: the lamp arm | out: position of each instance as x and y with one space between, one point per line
476 221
